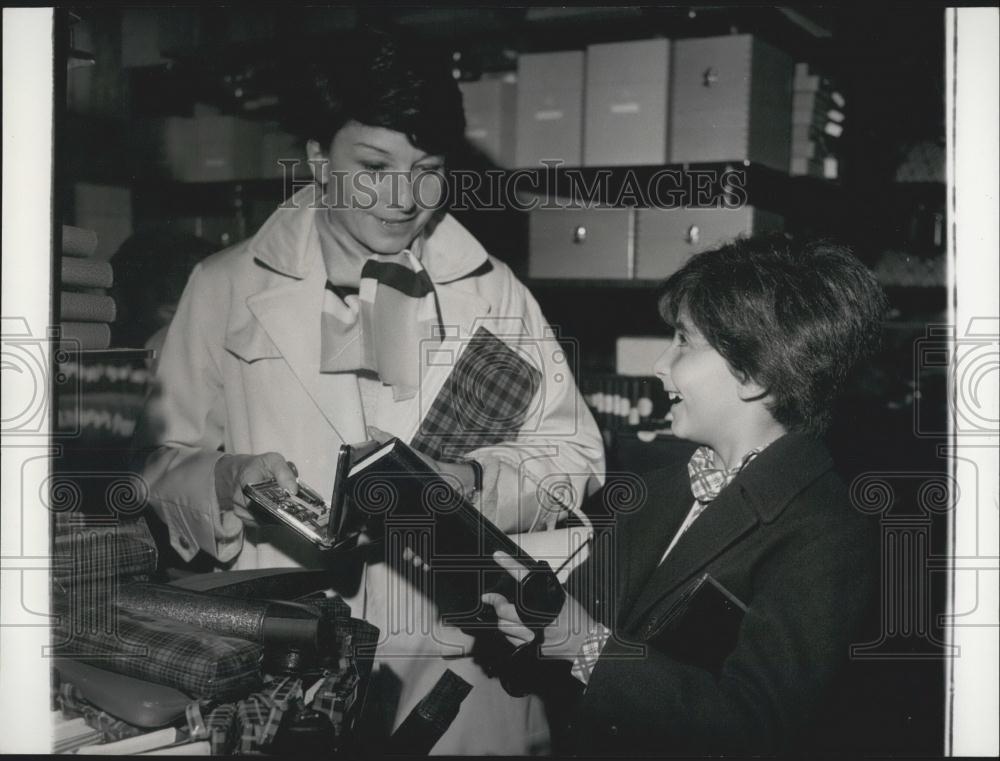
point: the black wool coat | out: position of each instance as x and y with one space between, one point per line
784 538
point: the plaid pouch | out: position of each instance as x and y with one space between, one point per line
485 400
355 639
223 729
195 661
88 550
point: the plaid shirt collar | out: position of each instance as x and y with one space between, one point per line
707 479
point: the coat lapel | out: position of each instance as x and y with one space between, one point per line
757 495
722 524
290 314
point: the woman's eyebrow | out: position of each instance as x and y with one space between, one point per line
373 147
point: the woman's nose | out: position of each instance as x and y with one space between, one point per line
401 192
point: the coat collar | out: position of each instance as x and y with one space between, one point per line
286 303
780 472
289 244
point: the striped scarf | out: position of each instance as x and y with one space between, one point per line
382 326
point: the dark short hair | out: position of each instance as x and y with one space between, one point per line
381 79
793 317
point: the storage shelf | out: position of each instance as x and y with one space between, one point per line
119 354
539 283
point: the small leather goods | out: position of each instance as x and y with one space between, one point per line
702 627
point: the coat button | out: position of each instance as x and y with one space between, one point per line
183 542
613 729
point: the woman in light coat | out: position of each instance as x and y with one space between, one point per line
259 368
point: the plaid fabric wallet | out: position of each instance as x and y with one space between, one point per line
197 662
485 400
88 551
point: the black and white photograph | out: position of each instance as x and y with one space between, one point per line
579 381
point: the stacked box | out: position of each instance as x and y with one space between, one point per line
731 98
817 124
626 103
580 242
550 108
491 116
667 238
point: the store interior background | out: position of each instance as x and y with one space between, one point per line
130 71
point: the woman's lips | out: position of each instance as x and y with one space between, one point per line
395 222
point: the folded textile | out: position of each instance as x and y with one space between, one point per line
77 241
337 696
85 552
200 663
86 307
223 729
85 335
86 273
485 400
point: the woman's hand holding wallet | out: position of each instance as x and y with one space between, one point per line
457 473
233 472
563 638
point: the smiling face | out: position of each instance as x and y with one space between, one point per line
382 189
711 405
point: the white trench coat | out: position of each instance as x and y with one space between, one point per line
240 372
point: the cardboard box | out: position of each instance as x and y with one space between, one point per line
626 103
667 238
580 243
550 108
635 355
210 148
731 100
228 149
491 117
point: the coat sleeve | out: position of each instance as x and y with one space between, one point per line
806 608
179 439
558 457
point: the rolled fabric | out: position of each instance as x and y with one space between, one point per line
86 307
270 623
89 335
199 663
78 242
86 273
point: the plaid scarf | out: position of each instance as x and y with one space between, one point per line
707 480
381 326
